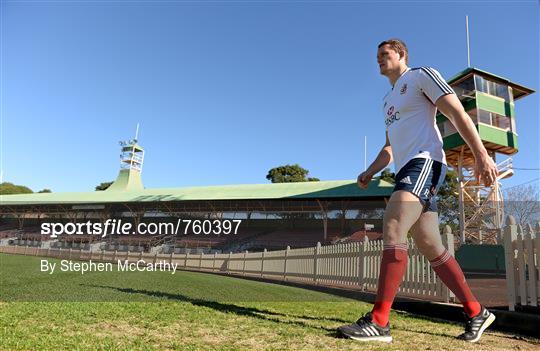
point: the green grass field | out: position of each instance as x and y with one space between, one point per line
195 311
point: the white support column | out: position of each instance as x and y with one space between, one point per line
325 219
316 262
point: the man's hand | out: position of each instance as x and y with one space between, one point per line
384 158
485 170
363 179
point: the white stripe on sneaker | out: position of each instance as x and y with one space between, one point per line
486 324
375 331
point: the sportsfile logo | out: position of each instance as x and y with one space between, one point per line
120 227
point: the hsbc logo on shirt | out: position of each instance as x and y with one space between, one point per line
391 116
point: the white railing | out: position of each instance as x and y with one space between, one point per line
353 264
522 259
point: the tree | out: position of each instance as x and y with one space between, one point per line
10 189
103 186
288 174
388 176
522 202
45 191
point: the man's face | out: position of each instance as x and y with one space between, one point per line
388 59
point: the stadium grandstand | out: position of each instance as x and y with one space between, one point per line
271 216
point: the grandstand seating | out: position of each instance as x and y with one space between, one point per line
280 239
134 242
28 236
8 233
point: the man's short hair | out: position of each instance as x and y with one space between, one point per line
398 46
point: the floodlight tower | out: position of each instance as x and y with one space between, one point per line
489 101
131 163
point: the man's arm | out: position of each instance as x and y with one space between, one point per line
485 168
384 158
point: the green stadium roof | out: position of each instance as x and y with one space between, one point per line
301 190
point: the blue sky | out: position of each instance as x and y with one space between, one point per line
224 91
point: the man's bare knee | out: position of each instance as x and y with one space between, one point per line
429 244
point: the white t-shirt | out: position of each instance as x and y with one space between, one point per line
409 112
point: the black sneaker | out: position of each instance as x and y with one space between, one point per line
475 326
365 330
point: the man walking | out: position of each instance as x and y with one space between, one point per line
414 143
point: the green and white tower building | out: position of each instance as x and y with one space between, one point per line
489 100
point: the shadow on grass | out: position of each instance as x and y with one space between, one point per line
426 318
226 308
453 337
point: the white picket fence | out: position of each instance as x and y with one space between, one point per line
353 264
522 259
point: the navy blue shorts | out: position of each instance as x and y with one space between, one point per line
423 177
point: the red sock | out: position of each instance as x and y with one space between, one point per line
393 265
448 270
